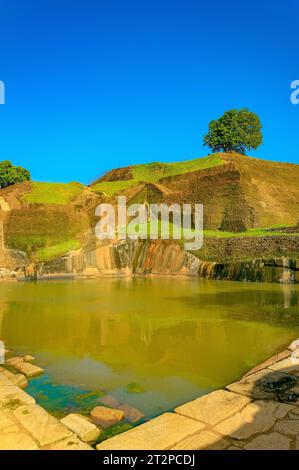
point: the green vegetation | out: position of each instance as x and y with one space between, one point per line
45 226
109 188
187 234
114 430
134 388
53 193
153 172
235 131
10 174
50 252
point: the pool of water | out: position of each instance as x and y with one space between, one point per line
152 343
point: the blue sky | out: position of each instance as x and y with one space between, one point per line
92 85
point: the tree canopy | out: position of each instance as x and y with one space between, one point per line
10 174
235 131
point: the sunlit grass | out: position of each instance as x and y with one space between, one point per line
53 193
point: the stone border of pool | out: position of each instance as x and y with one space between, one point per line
260 411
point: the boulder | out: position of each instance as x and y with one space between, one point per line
106 417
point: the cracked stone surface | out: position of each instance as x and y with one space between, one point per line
272 441
41 425
257 417
288 426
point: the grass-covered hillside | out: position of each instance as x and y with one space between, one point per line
118 180
242 196
47 220
238 192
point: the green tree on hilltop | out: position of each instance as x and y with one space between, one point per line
10 174
235 131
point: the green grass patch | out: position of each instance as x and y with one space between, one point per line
109 188
152 172
44 254
53 193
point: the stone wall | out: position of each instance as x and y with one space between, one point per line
165 258
242 248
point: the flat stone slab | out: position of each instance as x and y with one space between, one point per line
214 407
17 441
289 365
41 425
4 380
277 357
12 396
289 427
204 440
257 417
71 443
160 433
12 361
272 441
7 423
30 370
294 345
268 385
106 417
16 379
82 427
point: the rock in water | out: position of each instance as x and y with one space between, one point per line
29 369
81 426
29 358
106 417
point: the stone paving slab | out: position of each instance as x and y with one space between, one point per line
160 433
71 443
41 425
11 396
17 441
257 417
214 407
203 440
16 379
276 358
265 385
272 441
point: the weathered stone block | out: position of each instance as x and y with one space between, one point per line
82 427
203 440
30 370
214 407
160 433
41 425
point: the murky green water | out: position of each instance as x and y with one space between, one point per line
152 343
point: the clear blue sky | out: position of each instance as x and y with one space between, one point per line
97 84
